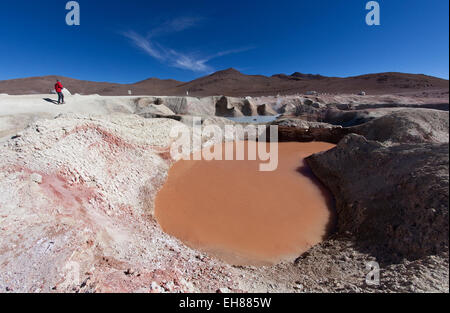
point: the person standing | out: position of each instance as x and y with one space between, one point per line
58 88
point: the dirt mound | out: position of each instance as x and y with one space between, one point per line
409 125
76 201
393 198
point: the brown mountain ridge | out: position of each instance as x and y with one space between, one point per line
231 82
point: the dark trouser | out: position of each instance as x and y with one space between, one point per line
60 97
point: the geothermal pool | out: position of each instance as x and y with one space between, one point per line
254 119
233 211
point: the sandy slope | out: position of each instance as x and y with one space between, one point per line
78 104
18 111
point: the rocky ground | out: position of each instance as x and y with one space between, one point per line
78 183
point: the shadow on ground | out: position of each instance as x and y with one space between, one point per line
50 100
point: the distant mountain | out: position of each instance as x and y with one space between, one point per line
227 82
44 85
231 82
299 76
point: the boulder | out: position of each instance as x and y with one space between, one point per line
307 111
308 101
318 105
149 106
314 104
265 109
190 105
159 101
249 107
392 198
234 107
407 125
294 129
288 109
352 118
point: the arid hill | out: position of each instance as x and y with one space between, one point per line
44 84
231 82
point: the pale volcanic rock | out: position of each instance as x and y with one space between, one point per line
13 123
354 117
265 109
89 220
392 197
150 105
234 107
190 105
407 125
295 129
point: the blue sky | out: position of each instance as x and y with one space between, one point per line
128 41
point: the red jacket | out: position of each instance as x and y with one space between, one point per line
58 87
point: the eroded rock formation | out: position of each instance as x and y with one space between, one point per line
234 107
294 129
394 198
407 125
265 109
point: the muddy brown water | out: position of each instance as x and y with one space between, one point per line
233 211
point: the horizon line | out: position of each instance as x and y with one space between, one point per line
223 70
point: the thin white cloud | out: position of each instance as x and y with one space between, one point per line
231 51
170 56
144 44
175 25
187 62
